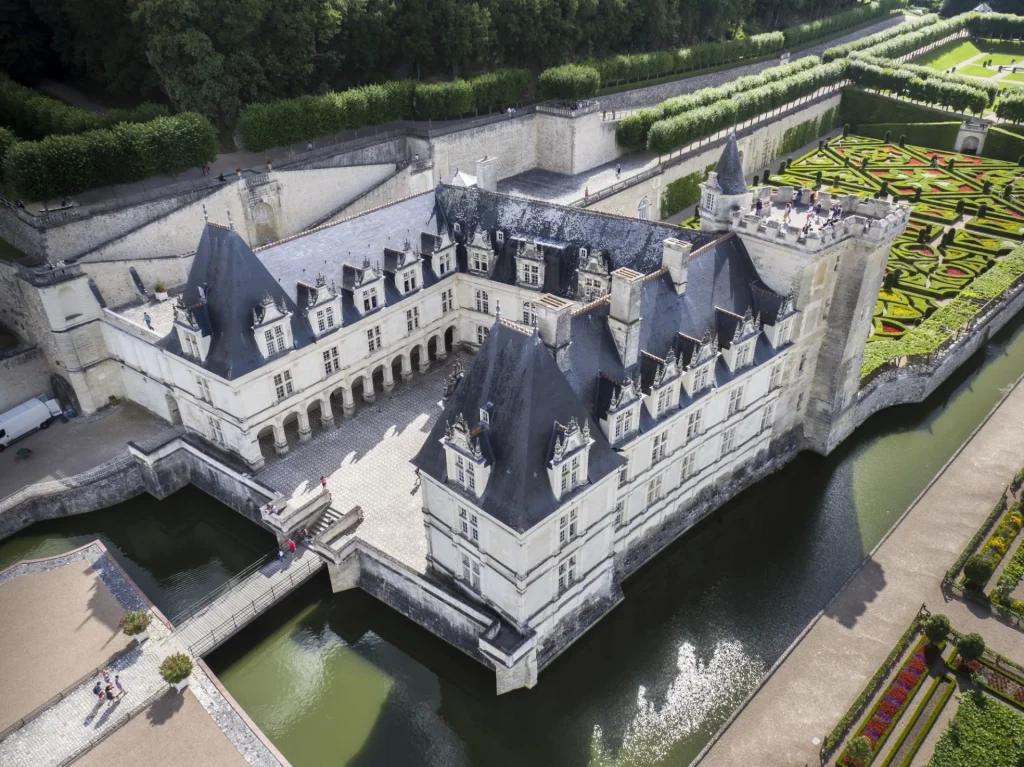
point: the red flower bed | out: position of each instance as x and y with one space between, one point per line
890 328
965 188
954 272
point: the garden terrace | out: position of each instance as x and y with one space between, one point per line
959 251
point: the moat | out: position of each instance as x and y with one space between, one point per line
342 679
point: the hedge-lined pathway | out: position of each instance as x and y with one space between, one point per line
812 689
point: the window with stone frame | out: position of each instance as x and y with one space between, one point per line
465 473
654 490
369 299
566 573
457 227
664 401
283 384
204 389
471 572
744 355
624 424
593 288
529 274
469 525
693 424
332 361
481 334
447 301
373 340
735 401
409 280
728 440
479 262
688 466
767 417
412 319
470 477
621 515
785 332
643 210
701 378
444 263
623 476
529 313
325 319
499 236
659 447
192 347
570 474
216 432
709 200
483 304
775 381
274 338
568 527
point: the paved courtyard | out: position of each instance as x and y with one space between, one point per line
366 462
811 690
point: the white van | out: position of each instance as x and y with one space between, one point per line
26 418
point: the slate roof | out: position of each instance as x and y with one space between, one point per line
730 168
515 371
234 282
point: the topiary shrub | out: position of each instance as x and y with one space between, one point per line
135 622
971 646
887 136
903 140
846 130
176 668
978 570
936 628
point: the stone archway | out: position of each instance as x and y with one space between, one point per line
265 438
432 349
290 426
450 338
64 392
173 412
265 221
970 145
314 416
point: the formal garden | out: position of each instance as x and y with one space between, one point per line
1002 61
940 698
961 252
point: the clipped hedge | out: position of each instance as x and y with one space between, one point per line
1011 106
570 82
7 140
859 107
912 40
1003 143
933 135
292 121
907 27
931 89
982 532
997 26
33 115
64 165
831 25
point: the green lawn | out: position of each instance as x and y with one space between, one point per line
1007 59
984 733
976 71
1017 78
948 55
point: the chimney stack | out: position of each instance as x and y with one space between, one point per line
624 318
487 173
554 323
675 255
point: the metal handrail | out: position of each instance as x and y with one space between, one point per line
255 608
106 733
193 609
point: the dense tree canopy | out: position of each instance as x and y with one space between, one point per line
217 55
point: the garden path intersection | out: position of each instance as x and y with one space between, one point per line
825 669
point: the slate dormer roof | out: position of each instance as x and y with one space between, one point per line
730 168
226 282
517 374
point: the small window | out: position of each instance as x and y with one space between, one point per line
283 384
659 447
499 236
471 572
469 525
693 424
447 301
332 362
799 402
776 379
621 515
735 401
457 227
766 417
482 302
624 476
688 465
583 253
529 313
728 440
642 210
481 334
566 573
485 417
654 491
567 527
373 338
412 319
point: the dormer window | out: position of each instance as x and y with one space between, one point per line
274 339
485 417
744 354
709 200
593 288
325 319
785 332
623 424
623 415
409 281
702 378
369 297
444 263
583 253
529 274
465 473
457 228
479 262
499 236
192 345
467 465
568 464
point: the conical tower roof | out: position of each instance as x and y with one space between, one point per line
730 168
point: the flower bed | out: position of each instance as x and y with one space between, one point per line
983 733
932 704
953 572
879 723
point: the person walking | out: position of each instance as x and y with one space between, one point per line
618 171
120 687
98 691
148 320
323 483
109 692
291 546
106 675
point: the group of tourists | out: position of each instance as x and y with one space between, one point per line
108 691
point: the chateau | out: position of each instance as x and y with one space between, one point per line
626 374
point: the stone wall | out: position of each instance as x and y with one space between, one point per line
512 141
309 195
13 311
405 183
15 227
385 152
23 376
115 282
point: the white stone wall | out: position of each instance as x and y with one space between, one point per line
512 141
115 281
593 142
23 376
406 183
309 195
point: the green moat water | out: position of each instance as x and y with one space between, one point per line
342 679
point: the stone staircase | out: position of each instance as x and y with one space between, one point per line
328 518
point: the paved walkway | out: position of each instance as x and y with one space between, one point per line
66 449
812 689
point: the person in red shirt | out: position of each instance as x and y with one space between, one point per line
291 545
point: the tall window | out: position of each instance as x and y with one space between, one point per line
466 473
470 477
479 262
623 423
369 299
803 362
709 200
279 336
373 338
688 466
412 319
664 400
469 525
482 303
204 389
570 474
447 301
499 236
283 384
460 470
275 340
593 287
701 378
621 515
728 440
444 264
481 334
659 447
566 573
567 527
192 347
471 572
216 433
785 332
623 476
693 424
735 401
743 355
409 281
325 319
332 363
642 210
531 274
776 379
767 415
653 491
529 313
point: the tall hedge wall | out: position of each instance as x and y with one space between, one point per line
33 115
571 82
64 165
1004 142
908 26
7 140
935 135
859 107
949 93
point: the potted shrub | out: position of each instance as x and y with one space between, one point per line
135 623
161 290
175 669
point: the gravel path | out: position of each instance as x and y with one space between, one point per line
645 97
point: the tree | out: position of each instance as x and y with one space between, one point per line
860 751
978 570
971 646
936 628
571 82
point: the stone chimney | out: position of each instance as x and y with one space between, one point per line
554 323
675 254
624 317
487 173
